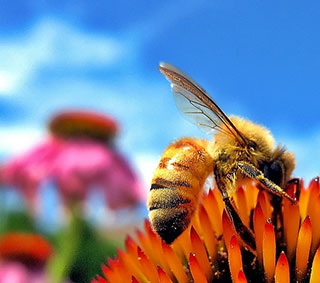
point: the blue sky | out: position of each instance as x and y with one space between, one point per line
257 59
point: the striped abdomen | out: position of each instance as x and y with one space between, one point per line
177 185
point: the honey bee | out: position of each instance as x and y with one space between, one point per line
240 150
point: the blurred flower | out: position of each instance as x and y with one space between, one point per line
83 124
23 257
77 157
210 249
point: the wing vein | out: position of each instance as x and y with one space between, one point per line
198 106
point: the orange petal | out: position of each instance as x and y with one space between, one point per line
303 248
117 271
175 263
291 219
154 239
314 192
131 246
184 241
313 196
242 206
99 279
251 194
208 234
111 275
199 251
196 270
131 265
119 268
228 230
218 198
282 273
265 205
134 280
195 222
269 250
303 199
241 277
146 246
258 226
315 221
234 257
211 205
315 269
147 266
163 277
156 245
133 257
178 249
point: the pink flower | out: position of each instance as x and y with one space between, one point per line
15 272
76 162
83 164
25 172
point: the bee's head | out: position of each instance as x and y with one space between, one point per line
259 141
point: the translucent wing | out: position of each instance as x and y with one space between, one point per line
196 112
198 106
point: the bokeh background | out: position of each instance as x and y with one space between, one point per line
258 59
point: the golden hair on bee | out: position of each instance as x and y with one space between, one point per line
258 135
240 150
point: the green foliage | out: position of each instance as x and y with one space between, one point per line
80 251
92 252
17 222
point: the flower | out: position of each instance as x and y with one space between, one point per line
22 247
23 258
83 124
77 156
287 247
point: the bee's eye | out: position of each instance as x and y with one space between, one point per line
252 145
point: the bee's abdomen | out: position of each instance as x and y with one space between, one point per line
176 187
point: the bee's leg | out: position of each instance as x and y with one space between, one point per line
243 231
252 172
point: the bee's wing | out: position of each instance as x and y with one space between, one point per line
198 106
195 111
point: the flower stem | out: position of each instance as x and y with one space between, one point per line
68 245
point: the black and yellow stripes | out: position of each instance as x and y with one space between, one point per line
176 186
163 183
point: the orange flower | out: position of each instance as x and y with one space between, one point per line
28 248
287 243
24 257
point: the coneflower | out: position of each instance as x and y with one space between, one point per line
287 243
24 257
77 156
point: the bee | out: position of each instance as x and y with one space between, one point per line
240 150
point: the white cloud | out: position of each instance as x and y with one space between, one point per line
15 140
59 43
6 82
53 43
